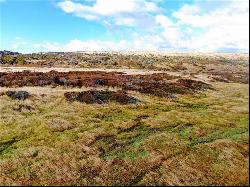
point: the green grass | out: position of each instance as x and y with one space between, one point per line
199 139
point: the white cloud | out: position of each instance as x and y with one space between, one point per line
70 7
191 27
122 12
18 42
146 43
94 45
78 45
48 46
171 31
235 13
226 27
126 21
164 21
188 9
109 7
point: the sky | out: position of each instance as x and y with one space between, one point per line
124 25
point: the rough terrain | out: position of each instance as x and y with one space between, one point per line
171 119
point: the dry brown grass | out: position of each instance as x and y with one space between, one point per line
199 139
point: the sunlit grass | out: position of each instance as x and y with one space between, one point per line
191 140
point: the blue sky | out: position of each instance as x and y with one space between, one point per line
148 25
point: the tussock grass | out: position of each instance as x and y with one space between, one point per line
190 140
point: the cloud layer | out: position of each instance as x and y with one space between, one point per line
192 27
122 12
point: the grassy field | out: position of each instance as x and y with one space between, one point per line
193 139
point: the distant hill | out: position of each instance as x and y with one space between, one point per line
5 52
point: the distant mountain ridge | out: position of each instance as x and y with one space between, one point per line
5 52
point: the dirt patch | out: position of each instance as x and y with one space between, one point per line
101 97
44 69
20 95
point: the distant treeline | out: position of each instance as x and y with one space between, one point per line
8 59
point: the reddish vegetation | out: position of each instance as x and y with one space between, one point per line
58 78
100 97
236 77
193 85
155 84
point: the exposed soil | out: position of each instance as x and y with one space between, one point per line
9 69
159 84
